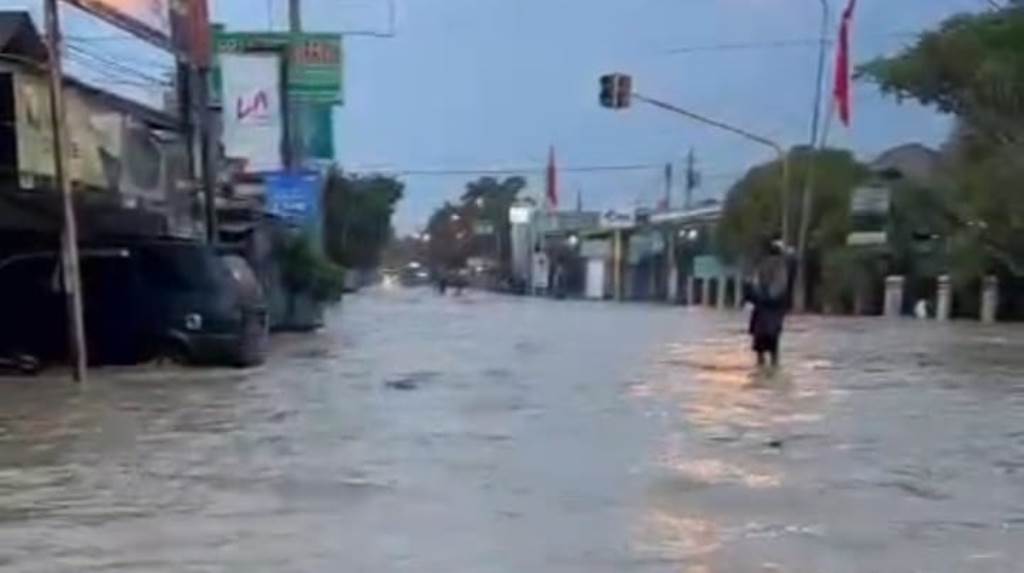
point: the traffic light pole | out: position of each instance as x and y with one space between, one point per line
69 236
775 146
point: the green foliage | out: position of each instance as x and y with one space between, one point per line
454 228
305 270
990 214
972 66
753 207
357 217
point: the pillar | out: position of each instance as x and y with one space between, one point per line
706 291
944 299
723 289
894 296
739 302
671 270
617 265
989 299
691 290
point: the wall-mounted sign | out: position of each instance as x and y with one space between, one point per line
295 197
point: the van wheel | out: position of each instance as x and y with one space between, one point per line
175 352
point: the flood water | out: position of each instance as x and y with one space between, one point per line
490 434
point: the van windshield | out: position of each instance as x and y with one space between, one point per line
184 267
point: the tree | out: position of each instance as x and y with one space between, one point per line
357 217
753 206
477 225
972 66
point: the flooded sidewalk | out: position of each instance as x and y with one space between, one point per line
484 433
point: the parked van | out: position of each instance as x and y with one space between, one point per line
175 299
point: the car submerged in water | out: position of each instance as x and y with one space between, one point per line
143 301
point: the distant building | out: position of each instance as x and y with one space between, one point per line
911 161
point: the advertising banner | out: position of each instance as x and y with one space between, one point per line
314 64
253 115
148 19
295 197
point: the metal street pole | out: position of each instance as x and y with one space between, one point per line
775 146
69 237
296 143
807 204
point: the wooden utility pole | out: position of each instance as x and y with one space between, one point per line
692 179
669 176
69 236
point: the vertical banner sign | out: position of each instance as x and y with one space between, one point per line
253 122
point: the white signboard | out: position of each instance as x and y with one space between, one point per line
253 122
871 200
520 215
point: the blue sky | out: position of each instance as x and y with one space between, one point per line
493 83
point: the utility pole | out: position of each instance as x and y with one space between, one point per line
669 176
807 202
692 178
293 118
69 236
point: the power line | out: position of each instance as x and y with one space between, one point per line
521 170
104 64
776 44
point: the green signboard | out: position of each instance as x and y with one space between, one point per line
314 65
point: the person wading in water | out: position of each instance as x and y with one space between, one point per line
768 291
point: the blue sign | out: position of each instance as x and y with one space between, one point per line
295 197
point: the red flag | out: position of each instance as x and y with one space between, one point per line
552 180
842 85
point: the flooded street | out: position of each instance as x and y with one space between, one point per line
489 434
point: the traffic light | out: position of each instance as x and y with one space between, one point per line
616 91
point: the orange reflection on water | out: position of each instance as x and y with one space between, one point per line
713 471
676 537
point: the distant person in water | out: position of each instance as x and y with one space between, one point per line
768 291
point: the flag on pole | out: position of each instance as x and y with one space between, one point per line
552 180
842 84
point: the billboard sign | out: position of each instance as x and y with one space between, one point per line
147 19
295 197
314 63
869 215
253 114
